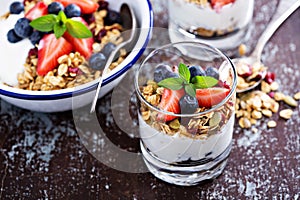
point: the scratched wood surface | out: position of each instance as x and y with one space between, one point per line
44 157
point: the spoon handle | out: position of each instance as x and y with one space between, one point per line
284 10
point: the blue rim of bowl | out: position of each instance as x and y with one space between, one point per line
91 87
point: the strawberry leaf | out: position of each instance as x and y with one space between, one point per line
78 29
59 30
204 82
184 72
171 83
44 23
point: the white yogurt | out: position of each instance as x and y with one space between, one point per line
178 148
13 55
234 16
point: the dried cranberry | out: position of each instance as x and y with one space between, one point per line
89 18
33 52
270 77
103 5
223 84
73 70
101 34
272 94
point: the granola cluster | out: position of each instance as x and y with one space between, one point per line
255 105
198 127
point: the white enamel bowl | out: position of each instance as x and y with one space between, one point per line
63 100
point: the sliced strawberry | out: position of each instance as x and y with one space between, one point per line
86 6
211 96
217 4
38 10
49 50
85 45
170 102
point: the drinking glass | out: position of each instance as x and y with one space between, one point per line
222 25
186 148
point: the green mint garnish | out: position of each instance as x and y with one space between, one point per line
183 81
59 24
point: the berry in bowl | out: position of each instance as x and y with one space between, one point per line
54 51
186 111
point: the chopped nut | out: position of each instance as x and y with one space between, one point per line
175 124
290 101
274 86
267 113
256 115
286 113
242 49
146 115
278 96
272 124
244 122
265 87
297 96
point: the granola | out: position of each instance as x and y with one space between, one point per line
197 127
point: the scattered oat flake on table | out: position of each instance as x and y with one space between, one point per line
272 124
297 96
286 113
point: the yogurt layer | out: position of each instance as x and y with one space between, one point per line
13 55
179 148
231 17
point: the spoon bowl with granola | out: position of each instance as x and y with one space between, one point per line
54 51
251 70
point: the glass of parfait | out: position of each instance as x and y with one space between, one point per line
221 23
186 101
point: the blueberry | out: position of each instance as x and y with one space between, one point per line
162 72
188 104
108 48
112 17
97 61
213 72
22 28
72 10
16 7
103 5
12 36
55 7
196 71
35 37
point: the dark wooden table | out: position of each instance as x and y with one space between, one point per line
43 156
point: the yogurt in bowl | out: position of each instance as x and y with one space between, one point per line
20 84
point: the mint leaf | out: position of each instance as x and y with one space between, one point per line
171 83
44 23
59 30
204 82
62 17
190 90
184 72
78 29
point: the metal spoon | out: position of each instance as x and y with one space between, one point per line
129 25
284 10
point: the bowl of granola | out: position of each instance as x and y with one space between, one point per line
55 50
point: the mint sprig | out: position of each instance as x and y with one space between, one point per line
59 24
183 81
